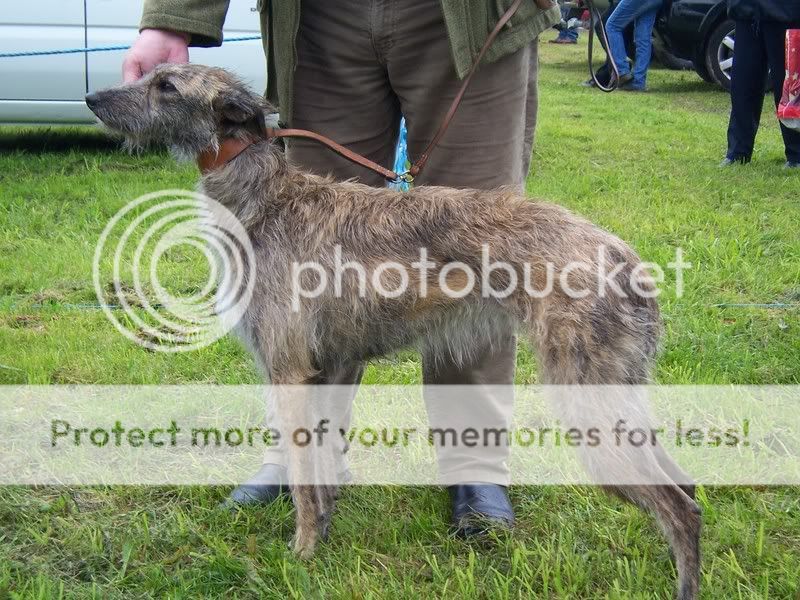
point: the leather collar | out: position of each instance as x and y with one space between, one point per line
210 160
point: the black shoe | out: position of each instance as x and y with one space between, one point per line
270 483
792 164
739 160
480 507
632 87
624 80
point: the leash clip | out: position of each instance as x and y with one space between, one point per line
406 177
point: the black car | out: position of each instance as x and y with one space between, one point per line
701 32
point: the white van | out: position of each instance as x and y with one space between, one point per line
50 89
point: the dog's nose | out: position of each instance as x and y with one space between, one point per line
91 100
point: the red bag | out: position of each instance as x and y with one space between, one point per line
789 107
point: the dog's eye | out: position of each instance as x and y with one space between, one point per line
165 85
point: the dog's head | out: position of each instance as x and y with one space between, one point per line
187 107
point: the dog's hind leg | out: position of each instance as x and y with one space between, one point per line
674 471
679 518
570 355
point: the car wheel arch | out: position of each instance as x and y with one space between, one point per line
718 14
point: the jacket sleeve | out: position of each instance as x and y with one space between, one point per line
202 19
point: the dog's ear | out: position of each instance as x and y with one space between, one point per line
241 108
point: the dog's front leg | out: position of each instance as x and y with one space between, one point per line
310 458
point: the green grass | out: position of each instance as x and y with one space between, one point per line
642 165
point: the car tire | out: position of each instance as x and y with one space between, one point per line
719 53
703 73
719 57
699 64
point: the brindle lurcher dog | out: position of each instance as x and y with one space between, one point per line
293 217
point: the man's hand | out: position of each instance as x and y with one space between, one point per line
151 48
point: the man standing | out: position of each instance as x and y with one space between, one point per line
642 13
348 70
569 28
760 37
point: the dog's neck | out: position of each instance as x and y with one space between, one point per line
212 159
249 177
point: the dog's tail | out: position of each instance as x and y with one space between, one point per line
597 358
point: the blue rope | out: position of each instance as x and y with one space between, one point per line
99 49
756 305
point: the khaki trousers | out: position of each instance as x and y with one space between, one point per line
361 65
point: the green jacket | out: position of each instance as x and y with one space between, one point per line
468 24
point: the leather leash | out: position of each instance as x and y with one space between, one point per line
336 147
596 23
231 148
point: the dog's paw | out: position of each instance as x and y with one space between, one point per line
304 544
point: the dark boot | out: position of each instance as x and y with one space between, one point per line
480 507
270 483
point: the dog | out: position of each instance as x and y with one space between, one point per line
294 217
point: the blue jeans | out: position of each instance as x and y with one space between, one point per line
643 14
568 33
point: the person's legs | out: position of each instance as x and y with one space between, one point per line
643 40
272 480
531 108
338 411
775 45
625 13
486 404
747 91
604 73
573 33
487 145
604 18
342 90
566 34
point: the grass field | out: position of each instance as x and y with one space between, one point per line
642 165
